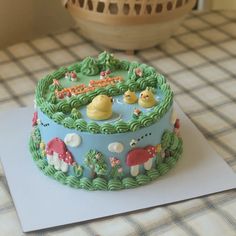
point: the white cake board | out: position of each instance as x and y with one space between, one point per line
42 202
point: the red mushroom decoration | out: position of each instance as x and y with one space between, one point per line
177 127
102 74
58 155
138 72
73 76
140 156
35 119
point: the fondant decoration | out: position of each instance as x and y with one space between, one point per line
58 155
116 147
177 127
105 82
78 170
173 117
100 108
137 113
94 160
116 170
72 140
147 99
82 88
130 97
75 114
35 119
104 74
71 76
138 72
42 147
133 143
158 148
140 156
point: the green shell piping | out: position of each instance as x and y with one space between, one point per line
152 79
100 183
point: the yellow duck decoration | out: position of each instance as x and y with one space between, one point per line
100 108
146 99
130 97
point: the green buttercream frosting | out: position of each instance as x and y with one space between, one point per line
146 121
143 179
81 125
149 71
69 123
75 114
49 170
100 184
134 125
121 126
84 99
63 106
60 176
74 67
114 184
42 164
74 102
163 168
107 61
166 139
89 66
122 86
153 174
58 117
48 108
107 128
129 182
72 181
86 183
132 85
124 64
52 98
174 142
142 83
161 79
93 127
113 90
170 161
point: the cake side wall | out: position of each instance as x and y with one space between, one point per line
145 136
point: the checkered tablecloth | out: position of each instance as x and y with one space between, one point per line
200 64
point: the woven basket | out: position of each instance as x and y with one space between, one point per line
128 24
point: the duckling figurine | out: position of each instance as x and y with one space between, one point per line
146 99
100 108
130 97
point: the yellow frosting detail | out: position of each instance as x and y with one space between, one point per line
130 97
146 99
100 108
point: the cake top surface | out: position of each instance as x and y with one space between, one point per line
104 95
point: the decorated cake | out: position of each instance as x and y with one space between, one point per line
105 124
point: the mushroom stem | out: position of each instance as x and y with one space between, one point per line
64 166
148 164
50 159
134 170
56 161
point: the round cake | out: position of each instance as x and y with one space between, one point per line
105 124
